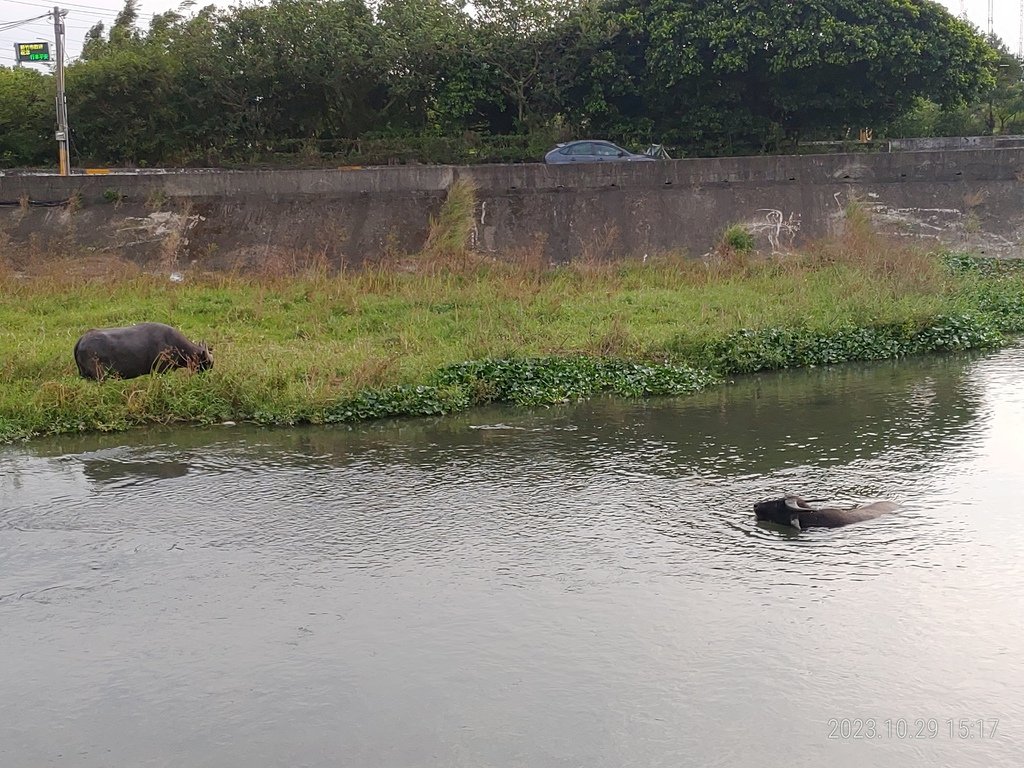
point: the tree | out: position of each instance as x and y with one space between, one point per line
301 70
1006 97
708 76
209 107
516 40
26 117
422 42
120 106
999 109
124 29
95 42
727 73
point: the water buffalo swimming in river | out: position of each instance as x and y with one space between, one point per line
138 350
796 512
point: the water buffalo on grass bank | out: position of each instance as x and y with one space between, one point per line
138 350
796 512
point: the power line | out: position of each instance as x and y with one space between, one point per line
92 7
92 19
85 20
6 25
86 25
82 9
39 29
76 7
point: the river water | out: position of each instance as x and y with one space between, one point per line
583 585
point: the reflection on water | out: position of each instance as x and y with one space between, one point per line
119 471
581 585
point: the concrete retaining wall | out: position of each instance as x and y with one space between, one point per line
965 198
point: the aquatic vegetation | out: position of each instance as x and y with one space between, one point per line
747 350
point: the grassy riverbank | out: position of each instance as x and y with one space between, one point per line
442 334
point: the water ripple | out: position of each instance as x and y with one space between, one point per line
581 585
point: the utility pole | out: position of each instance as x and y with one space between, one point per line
63 155
991 24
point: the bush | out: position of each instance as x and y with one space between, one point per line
737 239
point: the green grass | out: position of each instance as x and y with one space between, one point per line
389 341
738 238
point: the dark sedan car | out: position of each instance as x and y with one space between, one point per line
592 151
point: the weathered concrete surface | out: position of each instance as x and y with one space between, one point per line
263 219
955 142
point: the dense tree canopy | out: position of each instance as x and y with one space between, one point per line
998 109
26 117
706 76
748 72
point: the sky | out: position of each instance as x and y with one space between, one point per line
82 14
